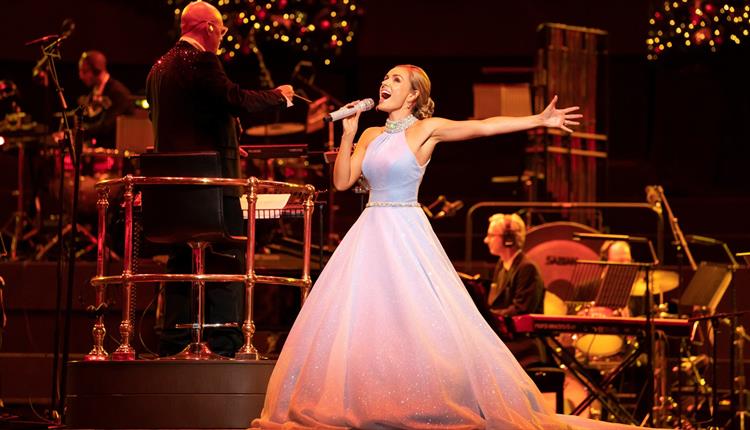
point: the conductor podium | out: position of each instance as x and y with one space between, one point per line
195 388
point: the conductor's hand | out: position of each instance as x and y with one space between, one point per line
288 92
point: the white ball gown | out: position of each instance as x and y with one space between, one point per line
389 338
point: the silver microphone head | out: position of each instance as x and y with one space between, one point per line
365 105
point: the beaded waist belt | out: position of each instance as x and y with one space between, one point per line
394 204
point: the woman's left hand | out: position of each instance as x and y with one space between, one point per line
559 118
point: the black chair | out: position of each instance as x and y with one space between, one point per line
549 379
191 214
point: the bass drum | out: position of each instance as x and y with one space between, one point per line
552 248
599 346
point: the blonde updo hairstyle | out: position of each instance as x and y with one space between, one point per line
424 106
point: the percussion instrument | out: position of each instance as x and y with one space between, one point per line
552 248
660 281
597 346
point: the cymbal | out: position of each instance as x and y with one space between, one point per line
277 129
553 304
661 281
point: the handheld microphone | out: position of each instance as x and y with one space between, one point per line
344 112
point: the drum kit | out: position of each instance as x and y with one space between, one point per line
38 177
552 248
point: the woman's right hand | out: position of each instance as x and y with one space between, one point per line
351 123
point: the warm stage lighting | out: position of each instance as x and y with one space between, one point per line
699 25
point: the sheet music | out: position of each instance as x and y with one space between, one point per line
267 206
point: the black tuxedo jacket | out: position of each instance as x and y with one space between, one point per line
521 289
194 104
521 292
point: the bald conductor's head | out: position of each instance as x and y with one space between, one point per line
202 21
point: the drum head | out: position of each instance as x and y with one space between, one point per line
552 248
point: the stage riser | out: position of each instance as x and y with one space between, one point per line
165 394
163 411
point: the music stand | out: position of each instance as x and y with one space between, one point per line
703 293
616 285
603 283
585 280
707 287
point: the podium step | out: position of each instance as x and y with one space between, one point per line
165 394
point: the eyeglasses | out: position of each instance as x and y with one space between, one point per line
221 27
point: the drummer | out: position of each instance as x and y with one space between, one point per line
615 251
618 251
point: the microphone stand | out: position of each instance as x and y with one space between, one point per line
429 208
739 414
736 354
57 398
675 227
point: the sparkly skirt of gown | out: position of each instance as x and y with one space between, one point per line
389 337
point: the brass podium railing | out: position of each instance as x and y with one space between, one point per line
300 203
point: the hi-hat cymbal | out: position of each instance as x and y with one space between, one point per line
277 129
661 281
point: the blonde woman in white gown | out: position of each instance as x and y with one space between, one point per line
389 337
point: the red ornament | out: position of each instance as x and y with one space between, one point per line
325 24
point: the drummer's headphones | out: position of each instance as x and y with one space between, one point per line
509 236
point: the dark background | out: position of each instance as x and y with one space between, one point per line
679 121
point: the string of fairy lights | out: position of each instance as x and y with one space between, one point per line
697 24
320 29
